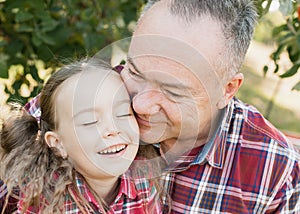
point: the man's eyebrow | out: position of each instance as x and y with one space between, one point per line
163 84
130 61
175 85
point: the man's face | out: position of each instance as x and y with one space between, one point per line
174 89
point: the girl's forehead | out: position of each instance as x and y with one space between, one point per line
90 79
90 89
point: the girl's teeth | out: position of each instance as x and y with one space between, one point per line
113 149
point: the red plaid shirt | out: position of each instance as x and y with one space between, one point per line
248 167
134 196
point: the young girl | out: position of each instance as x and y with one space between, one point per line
74 160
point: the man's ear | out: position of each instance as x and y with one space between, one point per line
231 88
53 141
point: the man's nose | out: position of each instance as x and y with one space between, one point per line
147 101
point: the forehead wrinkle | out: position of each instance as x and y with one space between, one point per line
163 83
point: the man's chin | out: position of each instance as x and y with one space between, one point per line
153 135
150 138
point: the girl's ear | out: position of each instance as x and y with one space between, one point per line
231 88
53 141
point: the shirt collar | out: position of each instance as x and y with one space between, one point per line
215 156
213 151
127 188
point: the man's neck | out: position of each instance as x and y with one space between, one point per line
175 147
172 150
180 146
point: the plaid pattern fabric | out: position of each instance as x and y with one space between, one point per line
11 203
33 107
251 168
134 196
3 192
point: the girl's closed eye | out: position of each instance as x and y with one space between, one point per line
123 109
90 123
125 115
86 119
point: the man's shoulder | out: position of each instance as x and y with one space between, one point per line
256 128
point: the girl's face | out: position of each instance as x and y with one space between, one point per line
97 130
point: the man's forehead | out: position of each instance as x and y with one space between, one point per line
157 53
154 52
170 35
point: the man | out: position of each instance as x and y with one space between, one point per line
182 74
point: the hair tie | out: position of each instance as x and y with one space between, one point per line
38 135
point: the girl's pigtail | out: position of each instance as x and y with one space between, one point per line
22 152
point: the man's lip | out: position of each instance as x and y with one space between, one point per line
142 121
147 123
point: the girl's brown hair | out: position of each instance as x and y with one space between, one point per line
28 163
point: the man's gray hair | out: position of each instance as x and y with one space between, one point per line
237 17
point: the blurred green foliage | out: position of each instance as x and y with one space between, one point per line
254 96
265 26
55 30
287 39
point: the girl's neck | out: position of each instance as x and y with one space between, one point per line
106 189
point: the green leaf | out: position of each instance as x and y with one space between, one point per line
9 5
36 4
293 70
279 29
48 24
17 85
3 70
49 40
92 41
87 14
24 28
286 39
35 40
34 73
276 68
296 87
35 90
293 52
265 70
276 55
60 35
298 40
44 53
14 47
3 43
23 16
